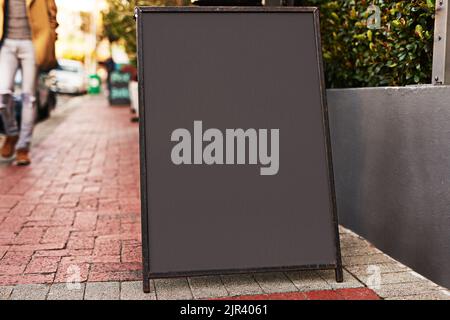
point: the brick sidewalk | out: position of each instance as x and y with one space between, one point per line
76 211
77 203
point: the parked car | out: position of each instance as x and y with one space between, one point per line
45 98
70 76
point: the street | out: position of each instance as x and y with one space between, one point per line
70 227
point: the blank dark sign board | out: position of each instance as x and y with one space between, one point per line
235 149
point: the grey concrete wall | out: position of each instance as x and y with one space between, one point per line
391 150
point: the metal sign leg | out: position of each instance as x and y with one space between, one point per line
339 274
146 284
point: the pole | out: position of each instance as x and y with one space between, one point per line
441 53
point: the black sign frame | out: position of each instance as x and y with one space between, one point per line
147 274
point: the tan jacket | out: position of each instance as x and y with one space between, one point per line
42 18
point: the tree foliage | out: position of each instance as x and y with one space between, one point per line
397 53
119 23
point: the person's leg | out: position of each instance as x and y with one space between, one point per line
8 68
29 79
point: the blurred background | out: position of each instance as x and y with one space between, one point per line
94 37
91 31
96 46
96 52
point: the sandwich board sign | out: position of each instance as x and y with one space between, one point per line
236 168
119 91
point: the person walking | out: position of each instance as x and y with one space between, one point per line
28 35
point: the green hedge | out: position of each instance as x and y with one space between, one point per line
397 54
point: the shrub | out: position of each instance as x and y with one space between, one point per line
396 54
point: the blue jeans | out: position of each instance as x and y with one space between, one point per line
15 54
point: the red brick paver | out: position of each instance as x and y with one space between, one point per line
76 208
340 294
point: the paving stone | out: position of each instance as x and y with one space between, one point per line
364 270
349 280
270 296
172 289
359 251
406 289
10 280
242 284
343 230
102 291
367 260
61 291
6 269
132 290
358 294
207 287
30 292
369 277
308 281
5 292
275 282
43 265
323 295
344 236
3 250
438 295
347 233
348 242
399 277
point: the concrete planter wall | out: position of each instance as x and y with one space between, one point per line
391 149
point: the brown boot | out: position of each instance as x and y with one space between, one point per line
22 158
8 146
